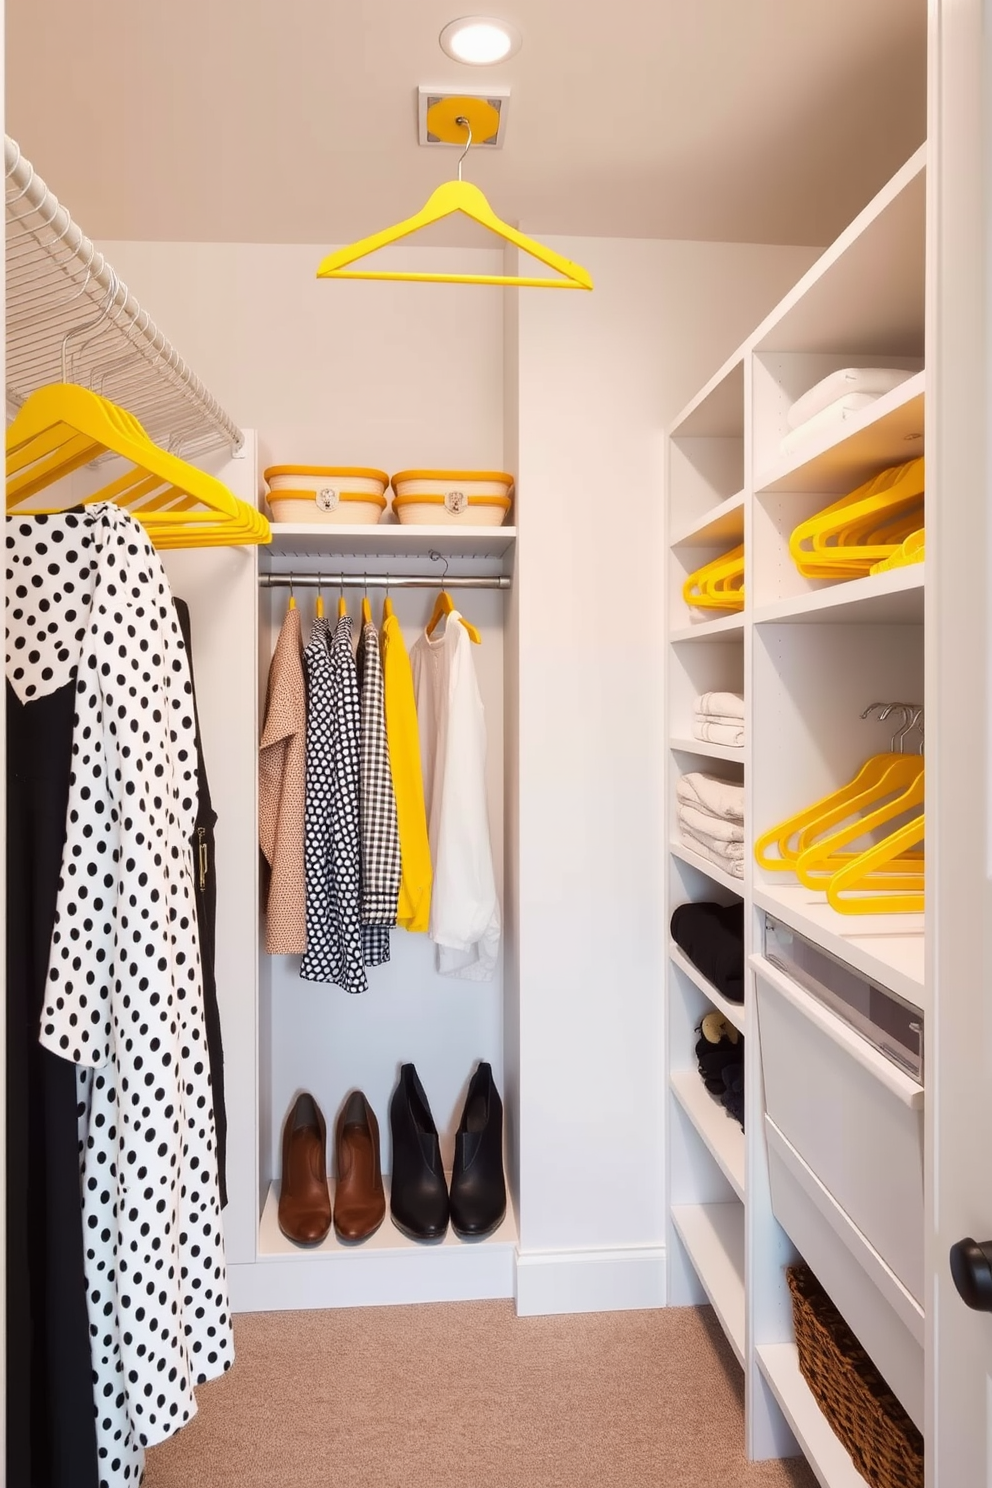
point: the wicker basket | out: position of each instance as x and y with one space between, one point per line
885 1446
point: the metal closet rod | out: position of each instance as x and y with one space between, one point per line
331 580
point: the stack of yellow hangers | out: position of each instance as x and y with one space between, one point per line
866 530
718 585
886 877
63 427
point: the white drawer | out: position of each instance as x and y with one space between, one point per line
852 1115
886 1320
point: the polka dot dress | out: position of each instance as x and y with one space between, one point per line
87 596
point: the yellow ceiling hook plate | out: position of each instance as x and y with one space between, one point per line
443 120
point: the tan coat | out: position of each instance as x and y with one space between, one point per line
281 792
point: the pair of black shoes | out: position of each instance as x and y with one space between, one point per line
420 1202
721 1066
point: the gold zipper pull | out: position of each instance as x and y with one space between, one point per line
201 833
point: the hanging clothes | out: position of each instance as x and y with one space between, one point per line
402 734
282 793
332 841
124 996
380 836
465 917
50 1426
205 889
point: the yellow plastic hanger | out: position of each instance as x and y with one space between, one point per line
444 605
319 606
819 859
342 602
62 427
908 897
455 196
366 607
718 585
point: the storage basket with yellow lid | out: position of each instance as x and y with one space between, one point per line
475 498
326 493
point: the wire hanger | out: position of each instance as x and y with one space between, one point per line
444 605
455 196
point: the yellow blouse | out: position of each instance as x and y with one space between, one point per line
403 738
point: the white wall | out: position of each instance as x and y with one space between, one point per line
600 376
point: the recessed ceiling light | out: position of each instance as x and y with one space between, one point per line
480 40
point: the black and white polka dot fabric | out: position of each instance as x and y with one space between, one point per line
87 594
332 845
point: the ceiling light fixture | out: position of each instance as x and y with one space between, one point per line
480 41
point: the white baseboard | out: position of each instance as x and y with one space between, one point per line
619 1280
470 1273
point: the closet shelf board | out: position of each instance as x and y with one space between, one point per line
273 1245
734 1012
712 870
719 1131
889 949
891 598
710 630
779 1363
710 751
713 1235
887 432
717 410
722 524
864 296
388 539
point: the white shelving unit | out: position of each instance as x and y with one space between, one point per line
809 657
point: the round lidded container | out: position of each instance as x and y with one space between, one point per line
476 498
326 493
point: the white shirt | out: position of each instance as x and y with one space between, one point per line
465 920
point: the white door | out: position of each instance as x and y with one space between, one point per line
959 752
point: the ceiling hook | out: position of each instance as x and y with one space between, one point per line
462 120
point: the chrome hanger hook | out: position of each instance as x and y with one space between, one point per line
437 557
462 120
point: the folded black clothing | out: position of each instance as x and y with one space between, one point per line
713 1059
712 936
733 1095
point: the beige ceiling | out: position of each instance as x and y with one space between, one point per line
295 120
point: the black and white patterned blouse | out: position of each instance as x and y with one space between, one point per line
87 594
380 834
332 843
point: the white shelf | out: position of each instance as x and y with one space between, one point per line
733 752
719 1131
713 1235
712 870
387 539
273 1245
888 949
722 524
891 598
717 410
779 1363
887 432
734 1012
726 627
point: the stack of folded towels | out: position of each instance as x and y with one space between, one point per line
711 819
719 718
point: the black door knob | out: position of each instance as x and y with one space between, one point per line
971 1269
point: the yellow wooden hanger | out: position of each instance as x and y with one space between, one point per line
62 427
444 605
455 196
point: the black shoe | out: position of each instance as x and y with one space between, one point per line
418 1197
478 1188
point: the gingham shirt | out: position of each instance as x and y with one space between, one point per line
380 835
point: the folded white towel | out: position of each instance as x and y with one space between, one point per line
828 419
721 705
714 731
732 851
708 793
706 825
734 866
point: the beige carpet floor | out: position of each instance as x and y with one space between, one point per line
467 1395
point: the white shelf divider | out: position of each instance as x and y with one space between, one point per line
719 1131
734 1012
713 1235
779 1363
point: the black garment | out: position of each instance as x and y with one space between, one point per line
205 883
51 1432
712 936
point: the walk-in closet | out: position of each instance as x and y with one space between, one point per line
496 593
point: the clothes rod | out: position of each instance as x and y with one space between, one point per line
331 581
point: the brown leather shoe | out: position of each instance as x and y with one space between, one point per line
304 1199
359 1199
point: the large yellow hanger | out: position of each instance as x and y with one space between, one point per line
62 427
456 196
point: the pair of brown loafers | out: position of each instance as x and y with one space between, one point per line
305 1199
